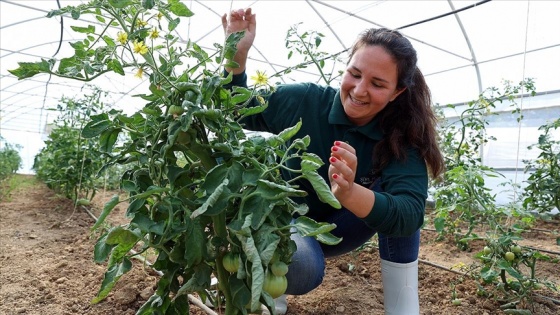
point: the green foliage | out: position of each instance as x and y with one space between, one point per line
198 186
543 190
507 271
10 160
306 46
69 163
463 202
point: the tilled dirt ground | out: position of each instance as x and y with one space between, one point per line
47 267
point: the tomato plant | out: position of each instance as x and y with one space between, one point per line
70 163
10 160
543 190
508 271
198 186
463 200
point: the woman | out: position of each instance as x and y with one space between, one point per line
377 132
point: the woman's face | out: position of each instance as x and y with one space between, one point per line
369 83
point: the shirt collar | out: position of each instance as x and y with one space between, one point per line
337 116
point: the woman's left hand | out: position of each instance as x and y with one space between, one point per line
342 169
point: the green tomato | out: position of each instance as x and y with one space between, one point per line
83 202
516 249
279 268
456 302
275 285
509 256
487 250
176 110
231 262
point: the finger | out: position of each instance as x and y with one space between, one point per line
344 155
224 22
341 168
252 23
345 146
339 181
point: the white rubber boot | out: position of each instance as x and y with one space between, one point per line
400 288
281 306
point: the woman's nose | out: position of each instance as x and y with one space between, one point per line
360 88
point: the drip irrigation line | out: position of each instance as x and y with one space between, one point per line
135 255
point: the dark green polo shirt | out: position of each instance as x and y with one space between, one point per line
400 191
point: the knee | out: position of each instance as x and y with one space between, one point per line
305 274
307 268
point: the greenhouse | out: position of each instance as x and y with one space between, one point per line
133 176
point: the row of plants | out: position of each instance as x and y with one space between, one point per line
69 163
466 209
209 200
10 163
10 159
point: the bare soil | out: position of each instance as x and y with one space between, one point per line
47 267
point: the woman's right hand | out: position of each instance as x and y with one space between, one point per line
238 21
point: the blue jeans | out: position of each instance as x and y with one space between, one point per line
308 262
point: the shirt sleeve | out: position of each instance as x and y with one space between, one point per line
399 209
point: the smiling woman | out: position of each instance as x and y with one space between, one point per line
378 133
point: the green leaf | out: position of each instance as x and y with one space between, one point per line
211 200
119 235
257 271
116 66
173 23
148 4
108 139
321 231
97 125
112 275
29 69
240 292
323 190
106 210
101 250
179 8
258 206
120 4
273 191
248 111
288 133
90 29
240 95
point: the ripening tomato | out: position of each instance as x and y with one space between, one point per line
231 262
275 285
509 256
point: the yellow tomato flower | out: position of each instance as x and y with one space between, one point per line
122 37
260 78
140 48
154 33
141 23
139 73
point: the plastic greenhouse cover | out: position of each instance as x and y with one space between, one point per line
464 47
